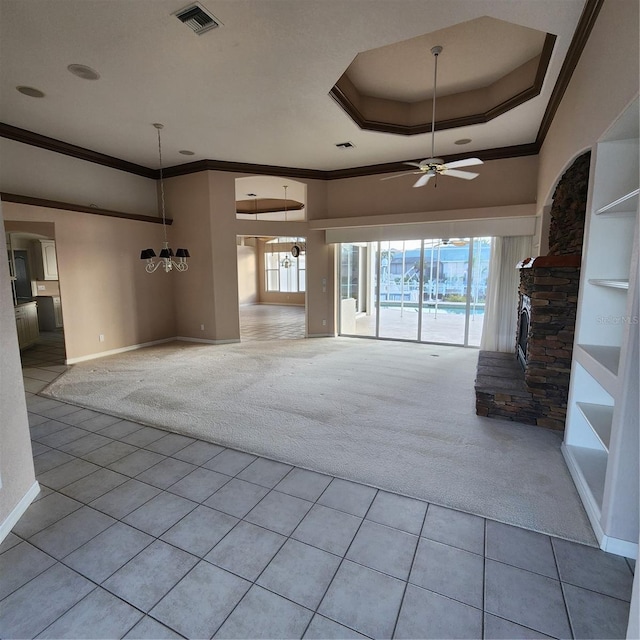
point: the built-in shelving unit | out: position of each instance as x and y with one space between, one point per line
601 438
627 203
599 417
614 284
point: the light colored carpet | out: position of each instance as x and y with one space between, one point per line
398 416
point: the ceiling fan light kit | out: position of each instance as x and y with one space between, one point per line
433 166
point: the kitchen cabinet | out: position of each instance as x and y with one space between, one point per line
27 324
46 261
49 313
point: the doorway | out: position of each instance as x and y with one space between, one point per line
31 252
427 290
272 288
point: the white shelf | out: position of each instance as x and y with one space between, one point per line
600 419
589 469
601 440
601 362
612 283
628 203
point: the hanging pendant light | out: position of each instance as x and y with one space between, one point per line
166 256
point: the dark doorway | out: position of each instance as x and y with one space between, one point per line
23 277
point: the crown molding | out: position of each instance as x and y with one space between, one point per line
578 42
242 167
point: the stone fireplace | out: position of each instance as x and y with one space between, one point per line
531 384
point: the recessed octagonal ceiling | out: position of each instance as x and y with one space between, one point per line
486 68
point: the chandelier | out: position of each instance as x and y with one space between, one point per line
167 259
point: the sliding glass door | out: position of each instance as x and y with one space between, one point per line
421 290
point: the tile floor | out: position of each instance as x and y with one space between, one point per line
141 533
271 322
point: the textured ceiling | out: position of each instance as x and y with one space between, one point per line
256 89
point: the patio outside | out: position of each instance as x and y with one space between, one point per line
430 290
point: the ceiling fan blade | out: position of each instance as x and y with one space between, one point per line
414 164
465 175
399 175
421 181
467 162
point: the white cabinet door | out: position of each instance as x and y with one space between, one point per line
49 260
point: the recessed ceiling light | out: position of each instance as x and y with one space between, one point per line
463 141
31 92
186 152
84 72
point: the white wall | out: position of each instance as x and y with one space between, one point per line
17 477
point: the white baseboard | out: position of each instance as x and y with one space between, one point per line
18 511
619 547
616 546
133 347
205 341
280 304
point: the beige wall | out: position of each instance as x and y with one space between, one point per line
604 82
16 460
104 288
247 274
45 174
225 265
501 182
321 273
187 200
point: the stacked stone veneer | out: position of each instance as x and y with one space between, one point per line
538 394
553 289
566 229
501 391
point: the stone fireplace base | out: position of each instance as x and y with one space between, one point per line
501 391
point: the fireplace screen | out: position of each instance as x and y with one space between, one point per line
523 330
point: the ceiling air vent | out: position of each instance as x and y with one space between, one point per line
197 18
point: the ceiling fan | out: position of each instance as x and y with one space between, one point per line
433 166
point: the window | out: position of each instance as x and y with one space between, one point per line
283 272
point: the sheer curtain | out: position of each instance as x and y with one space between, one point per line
501 307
